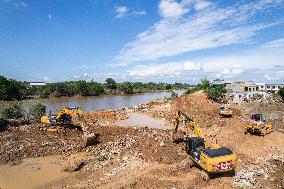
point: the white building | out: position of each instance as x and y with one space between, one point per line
31 84
273 88
240 91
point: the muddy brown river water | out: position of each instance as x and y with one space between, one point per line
92 103
32 173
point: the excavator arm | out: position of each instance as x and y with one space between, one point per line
188 122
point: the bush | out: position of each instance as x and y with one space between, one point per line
281 93
174 95
12 112
126 88
216 93
3 124
37 110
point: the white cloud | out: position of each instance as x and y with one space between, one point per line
172 9
140 13
45 78
275 43
202 4
275 76
121 11
20 4
85 67
49 16
210 27
166 69
15 3
236 65
227 72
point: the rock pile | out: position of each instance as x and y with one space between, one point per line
262 172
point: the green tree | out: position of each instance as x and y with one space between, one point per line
168 87
126 88
37 110
110 84
11 89
205 84
96 88
13 111
216 93
82 88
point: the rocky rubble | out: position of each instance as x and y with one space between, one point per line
261 174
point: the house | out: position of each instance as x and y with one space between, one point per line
240 91
273 88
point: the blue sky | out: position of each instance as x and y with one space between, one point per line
136 40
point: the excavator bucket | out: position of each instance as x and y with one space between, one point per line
178 137
90 139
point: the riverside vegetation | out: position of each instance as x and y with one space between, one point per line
11 89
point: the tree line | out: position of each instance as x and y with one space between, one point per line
11 89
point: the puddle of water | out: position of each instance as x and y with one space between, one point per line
138 119
32 173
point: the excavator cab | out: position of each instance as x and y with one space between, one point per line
194 146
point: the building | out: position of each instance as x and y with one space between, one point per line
273 88
240 91
37 84
34 84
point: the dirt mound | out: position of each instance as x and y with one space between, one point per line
28 141
197 105
150 144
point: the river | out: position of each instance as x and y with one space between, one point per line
91 103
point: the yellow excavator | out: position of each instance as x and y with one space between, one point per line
226 111
63 117
70 117
212 158
258 125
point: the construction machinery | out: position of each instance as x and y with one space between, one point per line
63 117
69 117
212 158
225 111
258 125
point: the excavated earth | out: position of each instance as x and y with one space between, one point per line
135 157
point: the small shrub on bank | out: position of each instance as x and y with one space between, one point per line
281 93
12 112
36 111
3 124
174 95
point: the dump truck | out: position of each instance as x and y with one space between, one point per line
212 158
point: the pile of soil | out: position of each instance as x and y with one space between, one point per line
28 141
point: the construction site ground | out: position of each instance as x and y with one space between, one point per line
140 153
